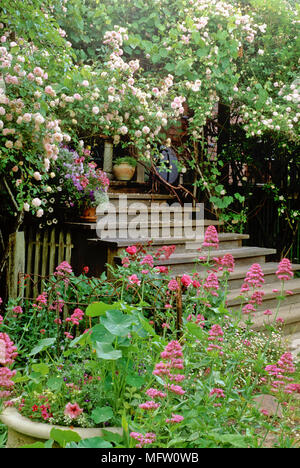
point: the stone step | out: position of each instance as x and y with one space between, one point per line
146 198
226 241
269 300
290 313
110 228
269 269
127 210
181 263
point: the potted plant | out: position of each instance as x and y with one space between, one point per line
83 185
124 168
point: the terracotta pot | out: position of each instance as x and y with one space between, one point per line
89 214
22 431
123 171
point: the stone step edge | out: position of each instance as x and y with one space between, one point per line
223 237
238 252
233 297
290 314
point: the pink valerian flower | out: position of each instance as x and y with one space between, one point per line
284 271
68 335
154 393
175 389
211 238
176 418
172 350
146 439
173 285
1 319
267 312
6 382
17 311
249 309
218 392
199 319
162 269
133 279
211 284
165 251
72 410
254 278
63 269
41 301
215 338
282 372
257 297
75 317
228 262
149 405
148 260
7 350
125 262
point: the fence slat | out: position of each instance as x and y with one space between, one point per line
61 247
45 254
28 270
36 270
16 264
52 249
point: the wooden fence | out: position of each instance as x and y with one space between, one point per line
36 252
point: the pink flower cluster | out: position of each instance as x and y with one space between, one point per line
173 285
199 319
211 284
282 372
172 355
215 336
75 317
41 301
146 439
5 381
7 350
176 418
225 262
211 238
284 271
63 269
218 392
8 353
254 278
149 405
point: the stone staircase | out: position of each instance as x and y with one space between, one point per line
113 241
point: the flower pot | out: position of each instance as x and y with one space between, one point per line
123 171
22 431
89 214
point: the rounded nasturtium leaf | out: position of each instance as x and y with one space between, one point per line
106 351
117 323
